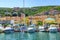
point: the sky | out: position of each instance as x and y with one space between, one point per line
28 3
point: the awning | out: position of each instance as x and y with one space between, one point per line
49 20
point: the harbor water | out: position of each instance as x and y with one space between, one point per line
30 36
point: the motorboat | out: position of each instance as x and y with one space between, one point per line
16 27
41 29
52 29
31 29
8 29
1 28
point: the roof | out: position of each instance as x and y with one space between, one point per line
50 19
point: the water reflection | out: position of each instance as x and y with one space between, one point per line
52 36
30 36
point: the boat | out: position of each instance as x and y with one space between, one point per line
58 29
23 28
31 29
1 28
41 29
52 29
8 29
16 27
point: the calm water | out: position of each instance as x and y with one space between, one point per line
30 36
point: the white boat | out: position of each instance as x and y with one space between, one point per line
41 28
52 29
16 27
31 29
8 30
1 28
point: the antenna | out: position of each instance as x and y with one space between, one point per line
23 6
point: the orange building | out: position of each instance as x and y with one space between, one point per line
38 17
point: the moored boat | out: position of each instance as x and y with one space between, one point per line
16 27
52 29
41 29
23 28
31 29
1 28
8 30
58 29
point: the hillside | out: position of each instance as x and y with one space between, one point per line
29 11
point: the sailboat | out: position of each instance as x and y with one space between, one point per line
23 28
31 28
16 27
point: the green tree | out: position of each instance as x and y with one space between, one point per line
40 23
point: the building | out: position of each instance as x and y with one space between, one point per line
37 17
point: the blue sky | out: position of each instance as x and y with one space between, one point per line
28 3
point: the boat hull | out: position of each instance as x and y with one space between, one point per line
58 29
31 31
1 31
53 30
9 31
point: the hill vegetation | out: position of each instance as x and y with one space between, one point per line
28 11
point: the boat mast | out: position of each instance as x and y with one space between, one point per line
24 10
23 3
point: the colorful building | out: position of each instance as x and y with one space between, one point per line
37 17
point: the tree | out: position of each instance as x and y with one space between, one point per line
40 23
